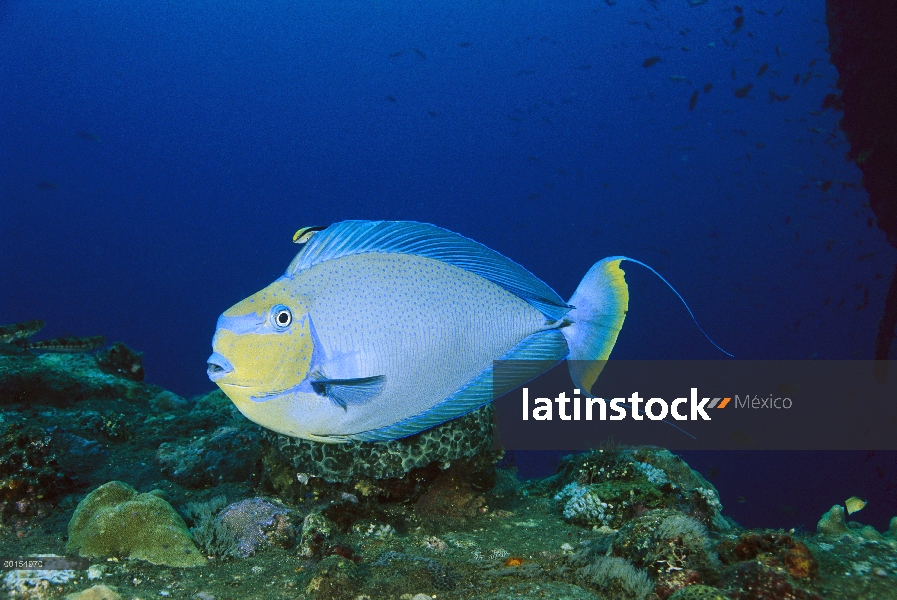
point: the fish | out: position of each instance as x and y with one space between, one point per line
742 92
651 61
763 68
379 330
854 504
305 233
65 345
693 102
707 88
737 23
19 331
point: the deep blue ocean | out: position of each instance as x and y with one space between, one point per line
156 158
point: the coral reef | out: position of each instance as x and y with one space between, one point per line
450 497
31 477
699 592
616 522
334 578
121 360
674 548
467 437
244 528
610 486
97 592
227 454
63 380
617 578
772 549
115 521
833 522
441 576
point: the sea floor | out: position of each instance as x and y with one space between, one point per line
68 428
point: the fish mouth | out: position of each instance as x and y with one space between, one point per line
217 367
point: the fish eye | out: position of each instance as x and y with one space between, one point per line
282 317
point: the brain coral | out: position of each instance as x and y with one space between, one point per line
114 520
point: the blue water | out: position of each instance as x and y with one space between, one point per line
156 157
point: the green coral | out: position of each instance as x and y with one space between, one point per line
699 592
115 520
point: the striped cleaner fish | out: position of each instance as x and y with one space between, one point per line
64 345
381 329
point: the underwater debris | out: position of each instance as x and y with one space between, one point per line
121 360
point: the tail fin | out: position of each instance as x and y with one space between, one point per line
601 302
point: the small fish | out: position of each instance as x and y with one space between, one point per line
707 88
87 136
738 9
64 345
741 499
651 61
333 350
763 68
773 97
742 92
693 102
304 234
46 185
830 101
737 23
19 331
854 504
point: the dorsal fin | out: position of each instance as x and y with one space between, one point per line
421 239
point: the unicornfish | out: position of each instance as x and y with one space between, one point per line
381 329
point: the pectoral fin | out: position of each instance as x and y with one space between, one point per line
349 391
